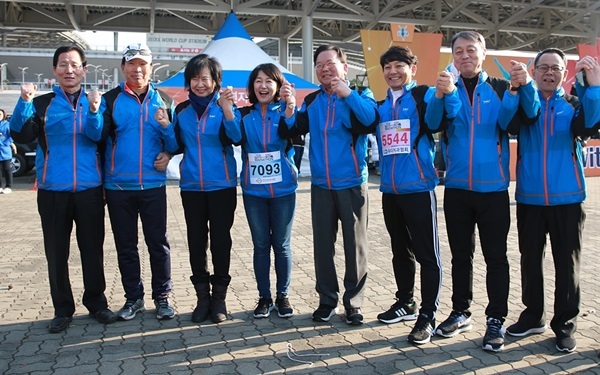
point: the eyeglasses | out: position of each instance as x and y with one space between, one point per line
545 68
136 52
328 64
65 66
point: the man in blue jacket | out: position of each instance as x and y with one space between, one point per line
476 152
69 182
338 119
137 124
408 180
551 190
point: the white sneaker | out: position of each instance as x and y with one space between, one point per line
0 190
7 191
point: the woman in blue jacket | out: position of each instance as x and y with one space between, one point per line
7 147
207 126
269 180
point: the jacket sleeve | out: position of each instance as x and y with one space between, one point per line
591 103
363 111
295 125
233 128
106 121
23 123
529 101
94 123
7 137
168 132
520 109
586 121
439 111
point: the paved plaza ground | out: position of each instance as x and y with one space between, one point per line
244 345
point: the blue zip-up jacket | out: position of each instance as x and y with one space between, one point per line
475 143
550 158
67 157
134 138
411 172
261 134
338 141
5 141
208 163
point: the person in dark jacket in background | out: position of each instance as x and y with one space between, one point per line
298 142
550 193
207 125
338 119
69 182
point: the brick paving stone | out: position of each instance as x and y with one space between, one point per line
178 346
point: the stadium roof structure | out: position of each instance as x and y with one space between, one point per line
527 25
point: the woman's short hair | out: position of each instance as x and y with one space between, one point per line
199 62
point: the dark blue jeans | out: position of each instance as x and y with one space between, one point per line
270 221
151 205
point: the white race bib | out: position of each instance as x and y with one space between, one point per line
395 137
264 167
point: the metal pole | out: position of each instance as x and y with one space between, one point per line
3 74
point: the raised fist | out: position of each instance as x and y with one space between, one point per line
162 117
28 91
94 100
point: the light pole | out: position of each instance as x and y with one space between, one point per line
156 70
23 74
95 72
39 75
103 74
3 75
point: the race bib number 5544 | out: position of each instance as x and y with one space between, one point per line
395 137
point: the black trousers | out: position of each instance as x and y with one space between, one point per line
6 169
411 221
491 213
210 213
124 206
58 211
564 223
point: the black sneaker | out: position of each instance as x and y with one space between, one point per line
457 322
59 324
566 344
422 331
104 316
520 329
493 341
263 307
400 311
354 316
284 308
323 313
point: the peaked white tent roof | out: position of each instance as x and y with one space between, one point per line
238 55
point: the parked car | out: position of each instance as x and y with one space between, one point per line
24 160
